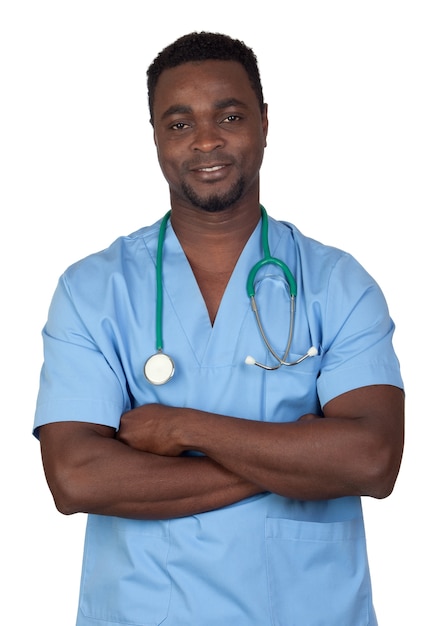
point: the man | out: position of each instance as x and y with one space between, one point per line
219 492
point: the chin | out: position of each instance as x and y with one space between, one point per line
214 203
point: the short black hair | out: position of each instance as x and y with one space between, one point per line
204 46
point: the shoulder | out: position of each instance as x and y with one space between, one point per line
318 261
120 257
291 235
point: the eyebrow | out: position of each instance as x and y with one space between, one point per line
179 109
182 109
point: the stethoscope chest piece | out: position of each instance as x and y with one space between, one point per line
159 368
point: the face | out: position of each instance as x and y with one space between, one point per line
210 134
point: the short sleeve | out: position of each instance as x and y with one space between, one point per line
78 381
357 334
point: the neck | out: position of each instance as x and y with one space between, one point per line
214 241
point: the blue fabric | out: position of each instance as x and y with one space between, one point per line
264 561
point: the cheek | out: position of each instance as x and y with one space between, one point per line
166 152
254 144
167 162
252 157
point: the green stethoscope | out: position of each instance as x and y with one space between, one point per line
159 368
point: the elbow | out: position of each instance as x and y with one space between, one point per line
381 488
382 472
66 506
66 494
73 454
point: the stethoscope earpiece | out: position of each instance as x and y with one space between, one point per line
249 360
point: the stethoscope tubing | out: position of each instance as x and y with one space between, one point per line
265 338
159 367
159 284
269 260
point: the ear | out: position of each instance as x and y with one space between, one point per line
264 118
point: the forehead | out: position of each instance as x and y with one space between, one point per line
206 81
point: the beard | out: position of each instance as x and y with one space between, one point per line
215 202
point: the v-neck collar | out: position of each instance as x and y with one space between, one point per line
181 287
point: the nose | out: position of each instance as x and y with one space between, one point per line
207 137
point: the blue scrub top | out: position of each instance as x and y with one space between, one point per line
267 560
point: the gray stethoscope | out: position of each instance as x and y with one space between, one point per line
159 368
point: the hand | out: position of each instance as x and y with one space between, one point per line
152 428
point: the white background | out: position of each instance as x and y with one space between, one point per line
352 160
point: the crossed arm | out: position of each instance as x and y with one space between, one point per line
139 472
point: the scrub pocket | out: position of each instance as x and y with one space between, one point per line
290 392
318 573
124 577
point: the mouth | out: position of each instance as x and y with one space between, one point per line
211 168
210 172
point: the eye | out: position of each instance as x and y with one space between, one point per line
179 126
232 118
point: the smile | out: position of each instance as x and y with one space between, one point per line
210 168
205 173
213 168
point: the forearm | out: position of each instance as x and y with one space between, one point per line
313 459
354 450
310 459
149 486
101 475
